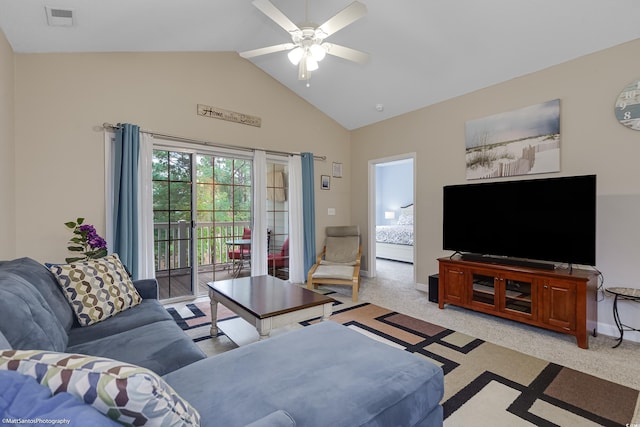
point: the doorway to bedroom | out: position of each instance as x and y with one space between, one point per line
391 215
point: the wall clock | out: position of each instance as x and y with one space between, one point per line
627 107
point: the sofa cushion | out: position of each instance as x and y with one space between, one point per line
26 320
4 344
97 289
128 394
22 399
145 313
45 282
369 384
161 346
277 418
147 288
342 272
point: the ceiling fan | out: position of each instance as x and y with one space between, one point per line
307 46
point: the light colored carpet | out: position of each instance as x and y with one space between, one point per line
485 384
394 289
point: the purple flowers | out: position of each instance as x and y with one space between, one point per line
86 241
92 237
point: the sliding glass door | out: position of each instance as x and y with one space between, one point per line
173 204
202 205
278 219
203 210
224 208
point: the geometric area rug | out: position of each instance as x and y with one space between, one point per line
485 384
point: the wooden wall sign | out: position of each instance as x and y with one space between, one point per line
230 116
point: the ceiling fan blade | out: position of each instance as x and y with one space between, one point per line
266 50
276 15
346 53
346 16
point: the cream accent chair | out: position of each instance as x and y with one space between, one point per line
339 262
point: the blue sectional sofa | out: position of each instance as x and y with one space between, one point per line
321 375
34 314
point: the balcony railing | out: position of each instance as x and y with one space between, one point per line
172 240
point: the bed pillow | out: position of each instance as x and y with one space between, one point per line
97 289
406 216
128 394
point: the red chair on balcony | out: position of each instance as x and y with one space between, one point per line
240 250
278 263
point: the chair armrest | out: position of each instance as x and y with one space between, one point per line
147 288
311 271
356 267
315 266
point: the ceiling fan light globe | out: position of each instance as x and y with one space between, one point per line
295 55
318 52
312 64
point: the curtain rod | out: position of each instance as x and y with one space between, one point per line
210 144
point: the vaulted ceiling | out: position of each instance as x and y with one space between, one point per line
422 51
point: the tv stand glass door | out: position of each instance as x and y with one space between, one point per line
484 290
518 296
505 292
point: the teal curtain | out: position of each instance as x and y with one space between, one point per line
125 193
308 211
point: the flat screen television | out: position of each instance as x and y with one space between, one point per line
551 220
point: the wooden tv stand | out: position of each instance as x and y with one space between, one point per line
559 300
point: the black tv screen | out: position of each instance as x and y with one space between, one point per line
551 219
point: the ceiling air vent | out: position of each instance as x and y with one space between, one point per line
59 17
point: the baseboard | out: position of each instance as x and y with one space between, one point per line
612 331
422 287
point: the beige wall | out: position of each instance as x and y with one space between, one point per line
592 141
62 99
7 182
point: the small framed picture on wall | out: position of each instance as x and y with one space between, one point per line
325 182
337 170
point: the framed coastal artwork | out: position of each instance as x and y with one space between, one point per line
519 142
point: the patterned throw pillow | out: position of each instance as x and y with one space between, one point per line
128 394
97 289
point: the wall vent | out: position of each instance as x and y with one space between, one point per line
59 17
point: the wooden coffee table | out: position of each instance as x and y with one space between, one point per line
267 302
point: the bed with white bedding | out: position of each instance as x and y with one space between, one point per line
395 242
